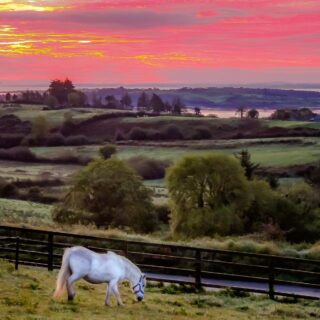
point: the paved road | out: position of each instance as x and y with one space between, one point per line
254 286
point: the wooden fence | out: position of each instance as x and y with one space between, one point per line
200 267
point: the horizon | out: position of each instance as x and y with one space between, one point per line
134 42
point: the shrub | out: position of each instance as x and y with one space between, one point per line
107 151
77 140
55 139
147 168
163 213
200 133
113 195
18 154
7 189
10 140
172 132
137 133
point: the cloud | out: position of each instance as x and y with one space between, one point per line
107 18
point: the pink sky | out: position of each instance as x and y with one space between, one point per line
149 41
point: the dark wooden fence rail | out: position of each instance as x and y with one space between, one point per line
170 263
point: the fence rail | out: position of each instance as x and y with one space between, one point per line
201 267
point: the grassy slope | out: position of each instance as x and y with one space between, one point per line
26 294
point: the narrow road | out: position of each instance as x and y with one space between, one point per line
253 286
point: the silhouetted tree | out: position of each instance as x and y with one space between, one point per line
253 114
126 101
241 111
143 102
112 102
61 89
157 104
8 97
197 111
177 106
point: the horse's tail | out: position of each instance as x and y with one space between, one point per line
63 275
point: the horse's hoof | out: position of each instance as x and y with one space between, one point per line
107 304
70 298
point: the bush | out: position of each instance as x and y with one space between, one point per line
163 213
77 140
113 195
55 139
137 133
172 132
10 140
107 151
147 168
7 189
200 133
18 154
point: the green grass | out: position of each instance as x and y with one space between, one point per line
292 124
27 294
20 170
55 117
17 211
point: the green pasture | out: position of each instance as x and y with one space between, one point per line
31 213
292 124
267 152
55 117
25 170
27 294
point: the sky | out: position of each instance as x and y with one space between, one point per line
130 42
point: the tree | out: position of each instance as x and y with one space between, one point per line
51 101
313 176
197 111
253 114
157 104
8 97
40 127
126 101
107 151
108 193
143 102
177 106
77 99
241 111
245 160
209 195
60 89
112 102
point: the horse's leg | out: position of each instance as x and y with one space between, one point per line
117 294
71 293
111 285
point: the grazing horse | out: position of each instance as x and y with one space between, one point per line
79 262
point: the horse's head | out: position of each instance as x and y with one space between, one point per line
139 287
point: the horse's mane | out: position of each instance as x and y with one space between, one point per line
130 263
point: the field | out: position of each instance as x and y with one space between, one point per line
267 152
27 294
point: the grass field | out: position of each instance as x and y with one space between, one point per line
55 117
292 124
27 294
262 151
31 213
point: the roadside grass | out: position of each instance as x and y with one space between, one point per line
27 294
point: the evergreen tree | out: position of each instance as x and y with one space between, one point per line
157 104
143 102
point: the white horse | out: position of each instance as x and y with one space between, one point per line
79 262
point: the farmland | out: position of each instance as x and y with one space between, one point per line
27 294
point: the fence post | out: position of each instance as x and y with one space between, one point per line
271 279
198 269
50 251
16 265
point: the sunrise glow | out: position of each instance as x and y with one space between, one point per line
140 41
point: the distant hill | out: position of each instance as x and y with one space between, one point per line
227 97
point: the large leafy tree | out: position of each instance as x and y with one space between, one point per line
61 89
111 194
156 103
209 195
